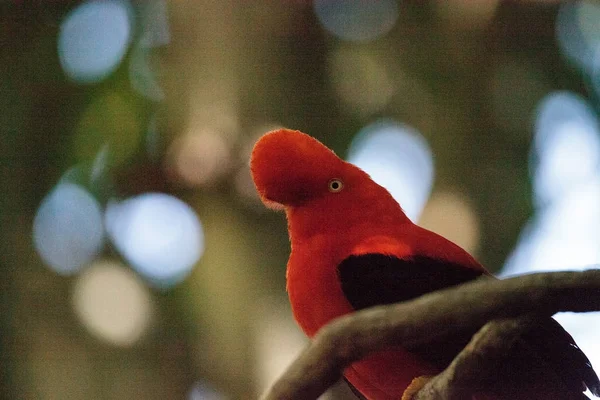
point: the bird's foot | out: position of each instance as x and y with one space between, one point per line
416 385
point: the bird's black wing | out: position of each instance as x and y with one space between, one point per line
559 349
375 279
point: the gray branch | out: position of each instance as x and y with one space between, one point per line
434 316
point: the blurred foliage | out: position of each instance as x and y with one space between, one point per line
470 92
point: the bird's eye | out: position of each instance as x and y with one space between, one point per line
335 185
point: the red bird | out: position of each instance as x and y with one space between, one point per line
353 247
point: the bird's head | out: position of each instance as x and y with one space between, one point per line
293 170
290 169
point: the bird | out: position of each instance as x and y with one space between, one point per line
353 247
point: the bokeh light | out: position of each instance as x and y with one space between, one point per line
451 215
360 80
357 20
566 151
199 158
158 234
94 38
563 235
68 231
398 158
565 231
578 32
112 303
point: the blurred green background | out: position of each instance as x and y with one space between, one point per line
137 261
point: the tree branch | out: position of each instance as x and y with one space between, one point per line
434 316
491 343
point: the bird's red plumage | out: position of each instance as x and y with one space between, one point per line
292 170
